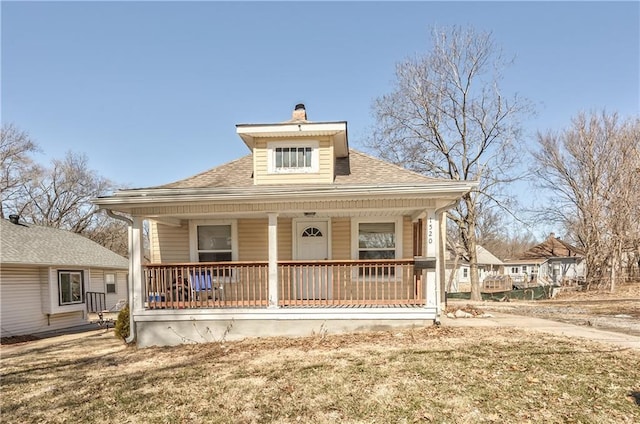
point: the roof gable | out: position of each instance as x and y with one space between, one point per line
37 245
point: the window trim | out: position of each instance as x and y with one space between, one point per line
59 287
355 235
115 283
315 156
193 236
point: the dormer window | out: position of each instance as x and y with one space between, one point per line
293 157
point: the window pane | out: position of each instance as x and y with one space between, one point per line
76 288
377 254
377 235
214 237
278 158
307 157
214 256
65 288
285 158
300 160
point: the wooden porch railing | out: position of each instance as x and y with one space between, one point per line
301 283
206 285
350 283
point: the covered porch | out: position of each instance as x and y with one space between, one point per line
322 283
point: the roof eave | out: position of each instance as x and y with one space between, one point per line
449 190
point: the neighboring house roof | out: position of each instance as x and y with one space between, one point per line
484 257
357 168
27 244
552 247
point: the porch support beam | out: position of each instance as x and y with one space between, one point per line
136 275
273 260
432 229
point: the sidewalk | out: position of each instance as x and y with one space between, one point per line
527 323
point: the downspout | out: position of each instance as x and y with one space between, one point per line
132 325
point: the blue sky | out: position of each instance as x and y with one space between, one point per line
151 91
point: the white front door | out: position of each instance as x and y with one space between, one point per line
312 243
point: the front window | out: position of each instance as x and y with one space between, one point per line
70 287
214 243
465 273
377 240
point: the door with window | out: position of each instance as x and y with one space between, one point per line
312 282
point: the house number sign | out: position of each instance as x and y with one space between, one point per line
431 235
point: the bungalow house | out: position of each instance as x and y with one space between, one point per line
488 266
550 262
48 276
302 235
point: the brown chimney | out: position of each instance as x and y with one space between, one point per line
299 113
552 235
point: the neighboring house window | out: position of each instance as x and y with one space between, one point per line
465 273
70 287
110 283
524 268
293 157
514 270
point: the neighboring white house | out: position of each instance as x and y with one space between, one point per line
488 265
550 262
46 273
302 235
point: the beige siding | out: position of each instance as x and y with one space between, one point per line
21 292
169 244
253 242
326 165
407 238
253 239
341 239
285 242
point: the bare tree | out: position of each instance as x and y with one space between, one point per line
446 117
60 196
591 171
16 166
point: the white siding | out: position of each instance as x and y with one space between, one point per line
21 292
98 285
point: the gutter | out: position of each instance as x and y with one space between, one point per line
132 325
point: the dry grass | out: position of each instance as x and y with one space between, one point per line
452 375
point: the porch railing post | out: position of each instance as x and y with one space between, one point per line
273 260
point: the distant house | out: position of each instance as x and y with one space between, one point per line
488 265
302 235
550 262
46 275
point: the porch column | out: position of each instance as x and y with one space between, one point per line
135 263
273 260
431 251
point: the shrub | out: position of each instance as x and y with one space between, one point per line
122 329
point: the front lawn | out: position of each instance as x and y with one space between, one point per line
453 375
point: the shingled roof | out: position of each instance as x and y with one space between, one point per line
552 247
27 244
357 168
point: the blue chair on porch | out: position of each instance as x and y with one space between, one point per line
201 284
